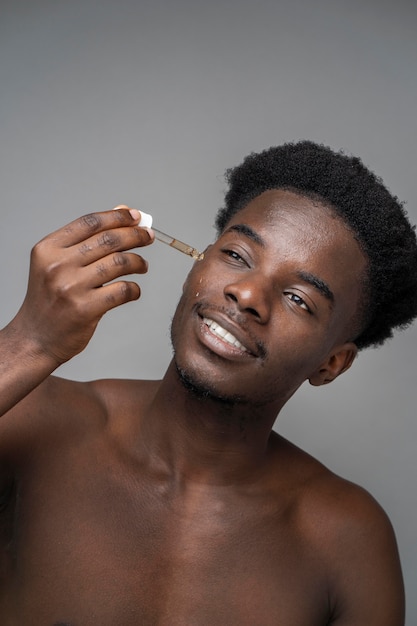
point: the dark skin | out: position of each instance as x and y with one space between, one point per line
173 502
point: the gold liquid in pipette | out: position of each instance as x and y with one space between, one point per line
178 245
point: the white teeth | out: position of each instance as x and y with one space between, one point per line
221 332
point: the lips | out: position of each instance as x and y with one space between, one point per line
224 334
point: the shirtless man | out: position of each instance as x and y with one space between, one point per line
172 502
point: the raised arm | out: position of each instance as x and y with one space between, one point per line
69 291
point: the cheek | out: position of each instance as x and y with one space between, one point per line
191 281
297 347
203 285
192 288
198 280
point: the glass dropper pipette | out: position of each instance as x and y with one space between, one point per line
146 220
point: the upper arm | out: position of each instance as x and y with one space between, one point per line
17 426
367 584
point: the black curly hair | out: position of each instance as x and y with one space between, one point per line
376 217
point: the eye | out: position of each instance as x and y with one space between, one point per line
294 297
234 255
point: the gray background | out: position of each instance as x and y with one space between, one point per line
147 103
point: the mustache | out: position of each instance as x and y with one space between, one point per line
203 309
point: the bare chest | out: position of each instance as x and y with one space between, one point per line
103 548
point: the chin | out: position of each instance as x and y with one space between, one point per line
203 390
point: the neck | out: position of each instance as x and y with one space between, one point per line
202 439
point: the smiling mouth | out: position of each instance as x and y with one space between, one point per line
223 334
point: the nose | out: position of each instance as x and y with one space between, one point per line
250 296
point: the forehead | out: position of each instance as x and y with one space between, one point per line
276 203
285 213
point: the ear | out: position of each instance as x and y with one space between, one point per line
338 361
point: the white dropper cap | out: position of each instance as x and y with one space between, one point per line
145 220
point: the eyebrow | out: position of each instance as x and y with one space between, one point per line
319 284
244 229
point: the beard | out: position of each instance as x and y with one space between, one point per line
202 390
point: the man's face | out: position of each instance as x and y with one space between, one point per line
272 298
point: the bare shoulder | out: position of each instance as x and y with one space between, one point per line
58 412
346 521
327 502
361 552
56 408
353 536
61 410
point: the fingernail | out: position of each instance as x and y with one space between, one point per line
135 214
150 232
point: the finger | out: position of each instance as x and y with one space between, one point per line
88 225
115 294
113 266
105 243
105 298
